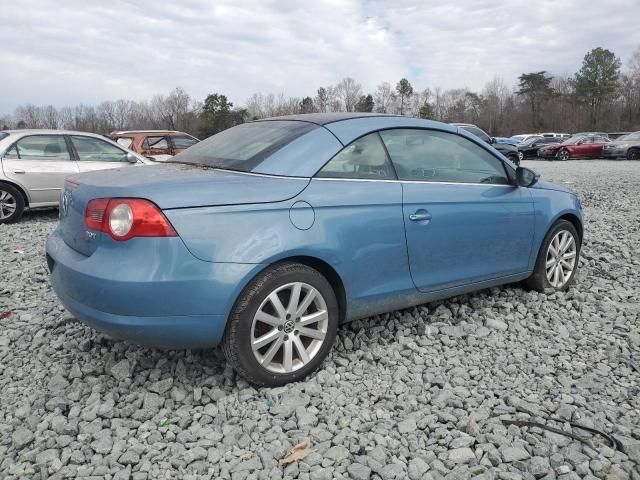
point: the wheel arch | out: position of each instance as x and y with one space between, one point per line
318 264
19 188
328 272
575 221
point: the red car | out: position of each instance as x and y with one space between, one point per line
578 146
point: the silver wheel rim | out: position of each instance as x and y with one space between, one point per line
561 258
7 205
289 328
564 155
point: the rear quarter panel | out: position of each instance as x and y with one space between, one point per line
357 229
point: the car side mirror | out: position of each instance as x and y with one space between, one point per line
526 177
131 158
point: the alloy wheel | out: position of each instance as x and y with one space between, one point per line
289 327
8 205
561 258
564 154
633 154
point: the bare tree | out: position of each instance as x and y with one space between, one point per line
384 98
349 91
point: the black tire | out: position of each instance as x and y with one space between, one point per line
564 155
236 343
514 158
538 280
11 203
633 154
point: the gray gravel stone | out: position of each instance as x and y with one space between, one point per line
461 455
357 471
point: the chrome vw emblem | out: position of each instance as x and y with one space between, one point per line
65 203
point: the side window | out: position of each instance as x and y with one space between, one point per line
96 150
40 147
183 141
365 158
432 156
125 141
155 143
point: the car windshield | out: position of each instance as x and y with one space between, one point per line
3 135
245 146
627 138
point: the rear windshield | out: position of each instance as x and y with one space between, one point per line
245 146
3 135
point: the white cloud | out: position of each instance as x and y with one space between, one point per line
86 50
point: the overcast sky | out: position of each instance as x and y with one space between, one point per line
71 51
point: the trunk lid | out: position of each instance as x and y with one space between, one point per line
170 186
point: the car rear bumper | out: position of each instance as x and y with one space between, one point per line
154 293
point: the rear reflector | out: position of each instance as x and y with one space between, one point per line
125 218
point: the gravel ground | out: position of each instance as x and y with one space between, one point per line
419 393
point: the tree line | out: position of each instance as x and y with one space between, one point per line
600 96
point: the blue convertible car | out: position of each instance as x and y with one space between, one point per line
266 236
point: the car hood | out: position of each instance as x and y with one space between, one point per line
172 185
544 185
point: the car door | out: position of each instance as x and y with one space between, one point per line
357 202
157 147
40 163
96 154
464 221
583 148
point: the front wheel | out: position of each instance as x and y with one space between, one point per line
282 326
515 158
564 154
557 260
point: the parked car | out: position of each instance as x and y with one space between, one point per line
267 235
578 146
530 147
158 145
616 135
525 138
627 146
508 141
509 151
35 164
556 135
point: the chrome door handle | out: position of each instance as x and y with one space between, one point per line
420 216
19 171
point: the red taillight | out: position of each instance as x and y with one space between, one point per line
133 217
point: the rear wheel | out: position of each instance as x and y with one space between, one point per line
564 154
11 204
282 326
557 260
633 154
